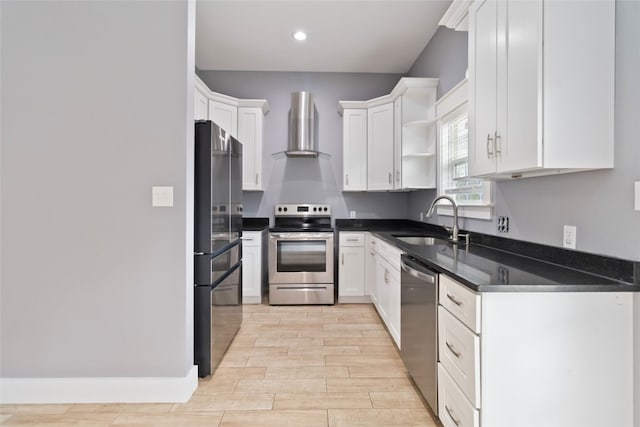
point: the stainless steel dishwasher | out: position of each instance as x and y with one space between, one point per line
419 327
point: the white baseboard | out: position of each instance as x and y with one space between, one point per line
99 390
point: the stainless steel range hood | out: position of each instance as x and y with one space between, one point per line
302 130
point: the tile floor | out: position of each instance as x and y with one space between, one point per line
288 366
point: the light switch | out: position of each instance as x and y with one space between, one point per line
637 197
161 197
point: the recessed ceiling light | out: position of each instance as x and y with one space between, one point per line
300 36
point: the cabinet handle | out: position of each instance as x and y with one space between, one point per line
390 175
386 276
489 143
455 301
342 259
256 179
496 145
352 240
346 178
398 177
452 350
450 412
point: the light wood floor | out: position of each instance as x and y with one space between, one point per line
288 366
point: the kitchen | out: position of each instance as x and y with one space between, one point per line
103 223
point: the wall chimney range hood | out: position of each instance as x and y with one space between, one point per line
302 130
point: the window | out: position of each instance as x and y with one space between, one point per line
472 195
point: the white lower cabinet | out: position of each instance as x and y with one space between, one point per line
252 267
454 409
534 358
370 268
386 285
459 354
351 268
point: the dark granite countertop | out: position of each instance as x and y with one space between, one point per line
255 224
493 264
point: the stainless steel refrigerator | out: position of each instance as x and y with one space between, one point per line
217 252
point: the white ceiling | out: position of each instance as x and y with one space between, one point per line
384 36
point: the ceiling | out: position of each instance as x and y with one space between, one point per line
384 36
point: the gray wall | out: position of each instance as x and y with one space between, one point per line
308 180
95 101
442 58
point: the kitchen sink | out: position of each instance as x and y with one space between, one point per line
422 240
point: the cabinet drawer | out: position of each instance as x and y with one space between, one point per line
461 302
251 238
459 353
454 410
351 239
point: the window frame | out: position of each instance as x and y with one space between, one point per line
456 101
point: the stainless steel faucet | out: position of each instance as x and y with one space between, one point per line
454 230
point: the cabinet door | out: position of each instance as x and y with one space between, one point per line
381 288
252 270
394 305
380 148
225 116
370 269
519 142
201 106
251 274
250 134
397 144
354 149
483 86
351 271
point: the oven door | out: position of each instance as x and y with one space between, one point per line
301 257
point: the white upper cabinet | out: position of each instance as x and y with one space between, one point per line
201 106
244 120
541 87
354 149
380 148
250 133
225 116
396 141
416 128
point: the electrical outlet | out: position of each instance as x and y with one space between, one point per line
503 224
352 214
569 237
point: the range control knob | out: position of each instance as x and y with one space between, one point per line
285 208
279 208
315 209
326 208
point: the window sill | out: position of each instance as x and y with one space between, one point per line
476 212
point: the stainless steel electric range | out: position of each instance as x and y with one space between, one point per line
301 259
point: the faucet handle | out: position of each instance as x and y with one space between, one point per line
464 237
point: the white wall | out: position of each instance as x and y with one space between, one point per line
96 109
